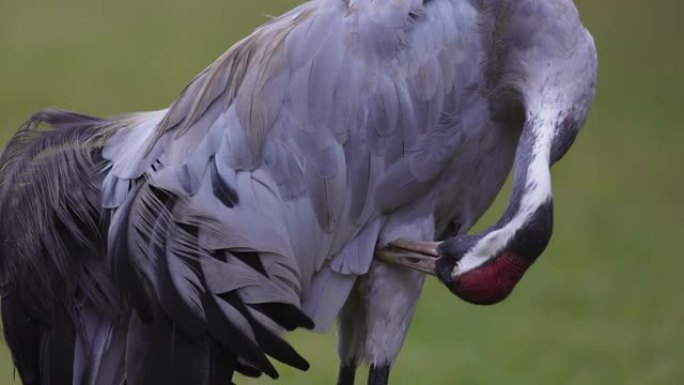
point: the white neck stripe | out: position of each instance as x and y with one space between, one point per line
537 192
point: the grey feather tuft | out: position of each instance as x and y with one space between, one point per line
50 177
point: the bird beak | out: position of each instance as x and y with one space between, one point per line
416 255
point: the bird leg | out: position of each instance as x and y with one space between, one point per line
416 255
378 375
347 374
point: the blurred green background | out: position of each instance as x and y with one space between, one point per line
604 304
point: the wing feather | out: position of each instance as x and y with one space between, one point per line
249 206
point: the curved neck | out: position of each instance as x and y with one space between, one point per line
529 212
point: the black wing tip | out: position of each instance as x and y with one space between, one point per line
289 316
270 370
248 370
308 323
302 365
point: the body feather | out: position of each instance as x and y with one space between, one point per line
252 204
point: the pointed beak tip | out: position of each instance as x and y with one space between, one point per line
415 255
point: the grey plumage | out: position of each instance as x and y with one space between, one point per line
174 247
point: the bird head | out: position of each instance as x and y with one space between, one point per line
544 65
483 269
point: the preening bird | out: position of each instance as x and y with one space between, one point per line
175 247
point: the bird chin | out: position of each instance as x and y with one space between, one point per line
491 282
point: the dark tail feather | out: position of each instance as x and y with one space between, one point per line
57 351
22 334
159 354
52 232
81 308
223 364
50 178
43 353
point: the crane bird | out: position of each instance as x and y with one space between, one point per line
175 247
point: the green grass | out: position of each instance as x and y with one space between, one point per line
602 306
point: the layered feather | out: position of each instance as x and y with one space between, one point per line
183 242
